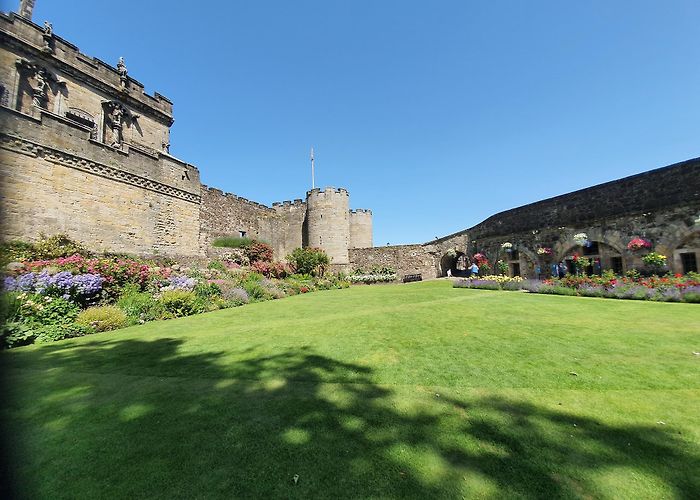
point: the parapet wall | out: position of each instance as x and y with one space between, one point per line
662 188
225 214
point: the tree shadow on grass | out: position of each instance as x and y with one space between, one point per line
136 418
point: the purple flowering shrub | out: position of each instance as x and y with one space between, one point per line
179 283
81 288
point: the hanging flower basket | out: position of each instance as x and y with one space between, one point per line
507 246
544 251
480 258
581 238
637 244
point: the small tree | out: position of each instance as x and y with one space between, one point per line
311 261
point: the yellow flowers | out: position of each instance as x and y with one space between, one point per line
501 278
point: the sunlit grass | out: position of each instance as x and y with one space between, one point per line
406 391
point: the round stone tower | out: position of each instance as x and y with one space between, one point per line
328 222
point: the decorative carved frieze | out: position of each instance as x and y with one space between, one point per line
29 148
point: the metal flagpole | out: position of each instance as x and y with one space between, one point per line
313 180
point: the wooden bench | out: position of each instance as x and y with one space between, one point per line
407 278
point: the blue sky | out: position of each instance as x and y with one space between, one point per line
435 115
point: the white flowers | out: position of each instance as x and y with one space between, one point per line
580 238
372 278
507 245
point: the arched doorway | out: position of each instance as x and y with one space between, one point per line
602 256
455 262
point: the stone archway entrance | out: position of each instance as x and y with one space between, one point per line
602 256
455 262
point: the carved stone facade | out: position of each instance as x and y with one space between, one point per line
85 151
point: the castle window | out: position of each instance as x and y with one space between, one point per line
690 263
242 234
616 264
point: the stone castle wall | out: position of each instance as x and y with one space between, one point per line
54 178
84 151
662 205
225 214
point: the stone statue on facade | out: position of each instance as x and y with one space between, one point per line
48 37
116 117
122 71
40 93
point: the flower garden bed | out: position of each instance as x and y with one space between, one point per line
51 299
669 288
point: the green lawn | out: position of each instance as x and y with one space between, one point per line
400 391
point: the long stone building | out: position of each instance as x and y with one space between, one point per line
85 151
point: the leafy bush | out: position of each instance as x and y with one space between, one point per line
259 251
256 291
47 310
51 333
180 303
59 245
140 307
10 307
103 318
270 269
16 334
207 291
312 261
502 267
15 251
232 242
216 264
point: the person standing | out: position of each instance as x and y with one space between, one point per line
474 270
563 269
555 270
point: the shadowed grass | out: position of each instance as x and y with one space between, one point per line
407 391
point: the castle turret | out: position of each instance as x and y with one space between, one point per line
328 222
360 228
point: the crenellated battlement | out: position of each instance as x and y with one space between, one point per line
361 211
297 203
329 190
